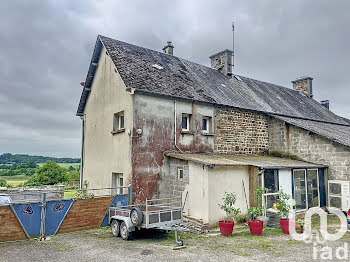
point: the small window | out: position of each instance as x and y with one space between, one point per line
121 121
180 174
206 122
117 183
185 123
118 122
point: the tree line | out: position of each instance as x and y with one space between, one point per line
8 158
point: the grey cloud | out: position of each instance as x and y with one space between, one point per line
46 47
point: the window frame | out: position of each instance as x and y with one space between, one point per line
121 115
179 169
208 125
118 177
118 119
306 186
188 116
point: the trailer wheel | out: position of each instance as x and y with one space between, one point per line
124 233
180 242
115 228
136 216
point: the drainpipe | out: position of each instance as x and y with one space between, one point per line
82 152
175 126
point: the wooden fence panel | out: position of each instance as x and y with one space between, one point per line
85 214
10 228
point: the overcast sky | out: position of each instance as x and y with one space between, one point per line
46 47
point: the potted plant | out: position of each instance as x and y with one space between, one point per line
256 226
226 226
259 195
283 206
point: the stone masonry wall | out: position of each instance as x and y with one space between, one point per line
310 147
170 185
240 132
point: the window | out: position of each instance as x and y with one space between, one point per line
312 188
206 123
271 180
121 121
185 123
117 183
180 174
118 122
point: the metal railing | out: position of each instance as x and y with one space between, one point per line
27 195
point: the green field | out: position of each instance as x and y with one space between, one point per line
65 165
15 180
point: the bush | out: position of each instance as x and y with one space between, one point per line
3 183
73 176
228 205
283 204
48 174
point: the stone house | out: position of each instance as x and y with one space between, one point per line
170 127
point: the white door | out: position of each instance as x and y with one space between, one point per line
285 181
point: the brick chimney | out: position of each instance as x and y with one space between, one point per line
303 84
169 48
222 62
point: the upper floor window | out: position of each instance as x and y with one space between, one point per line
185 122
206 124
118 122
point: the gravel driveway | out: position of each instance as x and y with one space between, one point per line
99 245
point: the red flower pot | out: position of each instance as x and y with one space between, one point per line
284 222
256 227
226 227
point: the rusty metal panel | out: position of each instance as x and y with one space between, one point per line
85 214
10 228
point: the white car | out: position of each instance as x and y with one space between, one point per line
5 199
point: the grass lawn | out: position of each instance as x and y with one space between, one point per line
70 193
15 180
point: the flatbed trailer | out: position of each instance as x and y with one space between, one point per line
160 213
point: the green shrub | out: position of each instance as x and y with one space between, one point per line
229 201
48 174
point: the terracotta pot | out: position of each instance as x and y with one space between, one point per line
226 227
256 227
284 222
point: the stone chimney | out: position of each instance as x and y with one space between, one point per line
169 48
222 62
303 84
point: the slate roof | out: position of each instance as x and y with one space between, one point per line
187 80
244 160
337 133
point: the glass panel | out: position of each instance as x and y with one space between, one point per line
299 189
184 122
121 121
312 188
204 124
270 201
271 180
